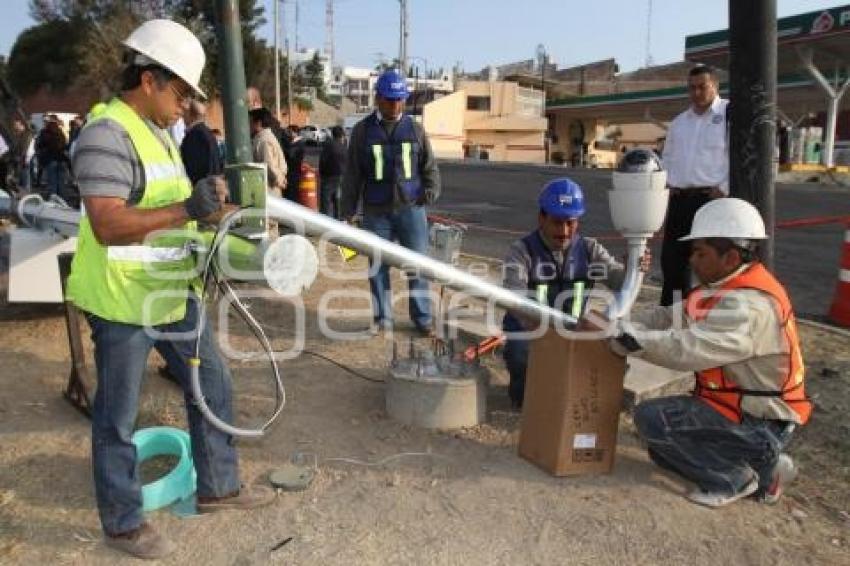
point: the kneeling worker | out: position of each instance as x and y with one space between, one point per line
557 266
739 336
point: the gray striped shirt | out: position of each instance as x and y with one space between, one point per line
106 164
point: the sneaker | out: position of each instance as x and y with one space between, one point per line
248 497
144 542
783 474
717 499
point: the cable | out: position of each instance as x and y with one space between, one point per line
388 459
342 366
208 273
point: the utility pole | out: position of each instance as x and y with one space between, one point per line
402 40
288 83
276 59
752 114
541 56
288 68
648 60
329 33
297 21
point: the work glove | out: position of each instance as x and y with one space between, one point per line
623 345
206 198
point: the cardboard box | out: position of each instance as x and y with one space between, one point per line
571 409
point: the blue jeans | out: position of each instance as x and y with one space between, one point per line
410 227
55 173
24 178
121 354
687 436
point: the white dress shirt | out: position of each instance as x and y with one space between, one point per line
696 151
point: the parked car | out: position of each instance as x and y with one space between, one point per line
313 135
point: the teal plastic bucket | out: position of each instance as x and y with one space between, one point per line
179 483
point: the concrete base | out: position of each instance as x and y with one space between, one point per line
437 402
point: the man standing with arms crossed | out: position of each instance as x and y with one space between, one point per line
135 279
696 157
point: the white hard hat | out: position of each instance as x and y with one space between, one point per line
171 46
731 218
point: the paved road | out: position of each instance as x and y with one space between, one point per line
499 203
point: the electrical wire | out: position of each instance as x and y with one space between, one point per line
388 459
340 365
208 274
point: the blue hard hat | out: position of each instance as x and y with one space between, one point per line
562 198
391 86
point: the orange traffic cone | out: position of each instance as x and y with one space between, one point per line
840 310
308 187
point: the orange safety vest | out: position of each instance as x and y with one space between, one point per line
719 390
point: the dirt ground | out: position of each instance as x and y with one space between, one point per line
468 500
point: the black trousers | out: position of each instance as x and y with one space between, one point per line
674 254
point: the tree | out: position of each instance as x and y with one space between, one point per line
200 16
101 53
81 40
385 65
314 76
45 55
90 11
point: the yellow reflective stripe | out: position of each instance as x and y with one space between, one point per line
542 294
378 152
405 159
578 298
146 254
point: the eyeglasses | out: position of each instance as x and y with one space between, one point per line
182 96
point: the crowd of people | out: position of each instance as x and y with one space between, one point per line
39 159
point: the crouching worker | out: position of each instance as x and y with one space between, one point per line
739 336
557 266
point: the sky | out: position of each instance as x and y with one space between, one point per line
478 33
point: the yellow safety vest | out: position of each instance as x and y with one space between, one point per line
148 283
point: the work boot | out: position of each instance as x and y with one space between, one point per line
783 474
248 497
379 327
719 499
426 330
143 542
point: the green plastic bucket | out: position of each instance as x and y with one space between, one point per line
179 483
